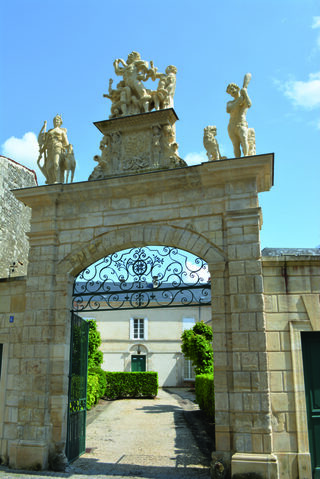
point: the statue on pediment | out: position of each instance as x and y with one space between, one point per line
131 96
237 108
56 152
211 144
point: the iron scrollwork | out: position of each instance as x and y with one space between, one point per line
148 277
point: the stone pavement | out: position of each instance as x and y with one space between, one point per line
161 438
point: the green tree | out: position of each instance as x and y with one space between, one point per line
197 346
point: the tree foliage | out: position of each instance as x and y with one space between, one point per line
96 376
95 356
197 346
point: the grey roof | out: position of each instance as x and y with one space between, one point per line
291 252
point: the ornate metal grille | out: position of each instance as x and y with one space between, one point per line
148 277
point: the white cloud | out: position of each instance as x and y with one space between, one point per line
24 150
316 22
305 94
194 272
195 158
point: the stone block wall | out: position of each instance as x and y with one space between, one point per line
13 371
14 217
291 288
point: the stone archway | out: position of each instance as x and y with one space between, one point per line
210 210
155 234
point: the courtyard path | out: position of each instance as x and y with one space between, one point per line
140 438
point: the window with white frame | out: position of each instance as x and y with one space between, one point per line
188 323
139 328
188 373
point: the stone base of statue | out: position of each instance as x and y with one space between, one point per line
137 144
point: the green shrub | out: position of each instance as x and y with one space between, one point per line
92 390
96 384
131 385
95 356
197 346
205 393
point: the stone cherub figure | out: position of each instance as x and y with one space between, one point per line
237 108
55 151
163 97
211 144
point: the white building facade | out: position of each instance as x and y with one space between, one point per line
148 340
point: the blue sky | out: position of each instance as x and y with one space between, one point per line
58 58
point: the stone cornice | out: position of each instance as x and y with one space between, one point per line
207 175
141 120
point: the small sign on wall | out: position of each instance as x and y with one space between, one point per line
11 319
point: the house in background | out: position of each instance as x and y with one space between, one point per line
148 340
142 300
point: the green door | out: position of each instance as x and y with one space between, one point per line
311 361
138 363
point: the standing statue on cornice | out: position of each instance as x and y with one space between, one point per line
237 108
211 144
55 151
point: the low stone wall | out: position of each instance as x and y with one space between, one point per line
291 287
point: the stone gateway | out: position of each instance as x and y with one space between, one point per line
261 301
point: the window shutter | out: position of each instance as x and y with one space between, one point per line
131 328
145 328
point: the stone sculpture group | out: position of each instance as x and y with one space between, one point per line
56 152
132 143
131 96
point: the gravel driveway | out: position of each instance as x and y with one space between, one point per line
166 438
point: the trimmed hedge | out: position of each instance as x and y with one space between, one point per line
205 393
131 385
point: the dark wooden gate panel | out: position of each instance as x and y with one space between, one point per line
311 365
76 437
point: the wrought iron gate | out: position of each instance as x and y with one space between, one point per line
148 277
77 402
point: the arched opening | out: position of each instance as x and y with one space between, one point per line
142 299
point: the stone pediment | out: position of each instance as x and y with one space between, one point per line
137 144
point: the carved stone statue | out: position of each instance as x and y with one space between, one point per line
252 141
237 108
131 96
57 155
163 97
211 144
67 165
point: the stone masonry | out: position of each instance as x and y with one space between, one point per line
260 303
14 218
74 225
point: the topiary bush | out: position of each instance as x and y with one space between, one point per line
131 385
205 393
